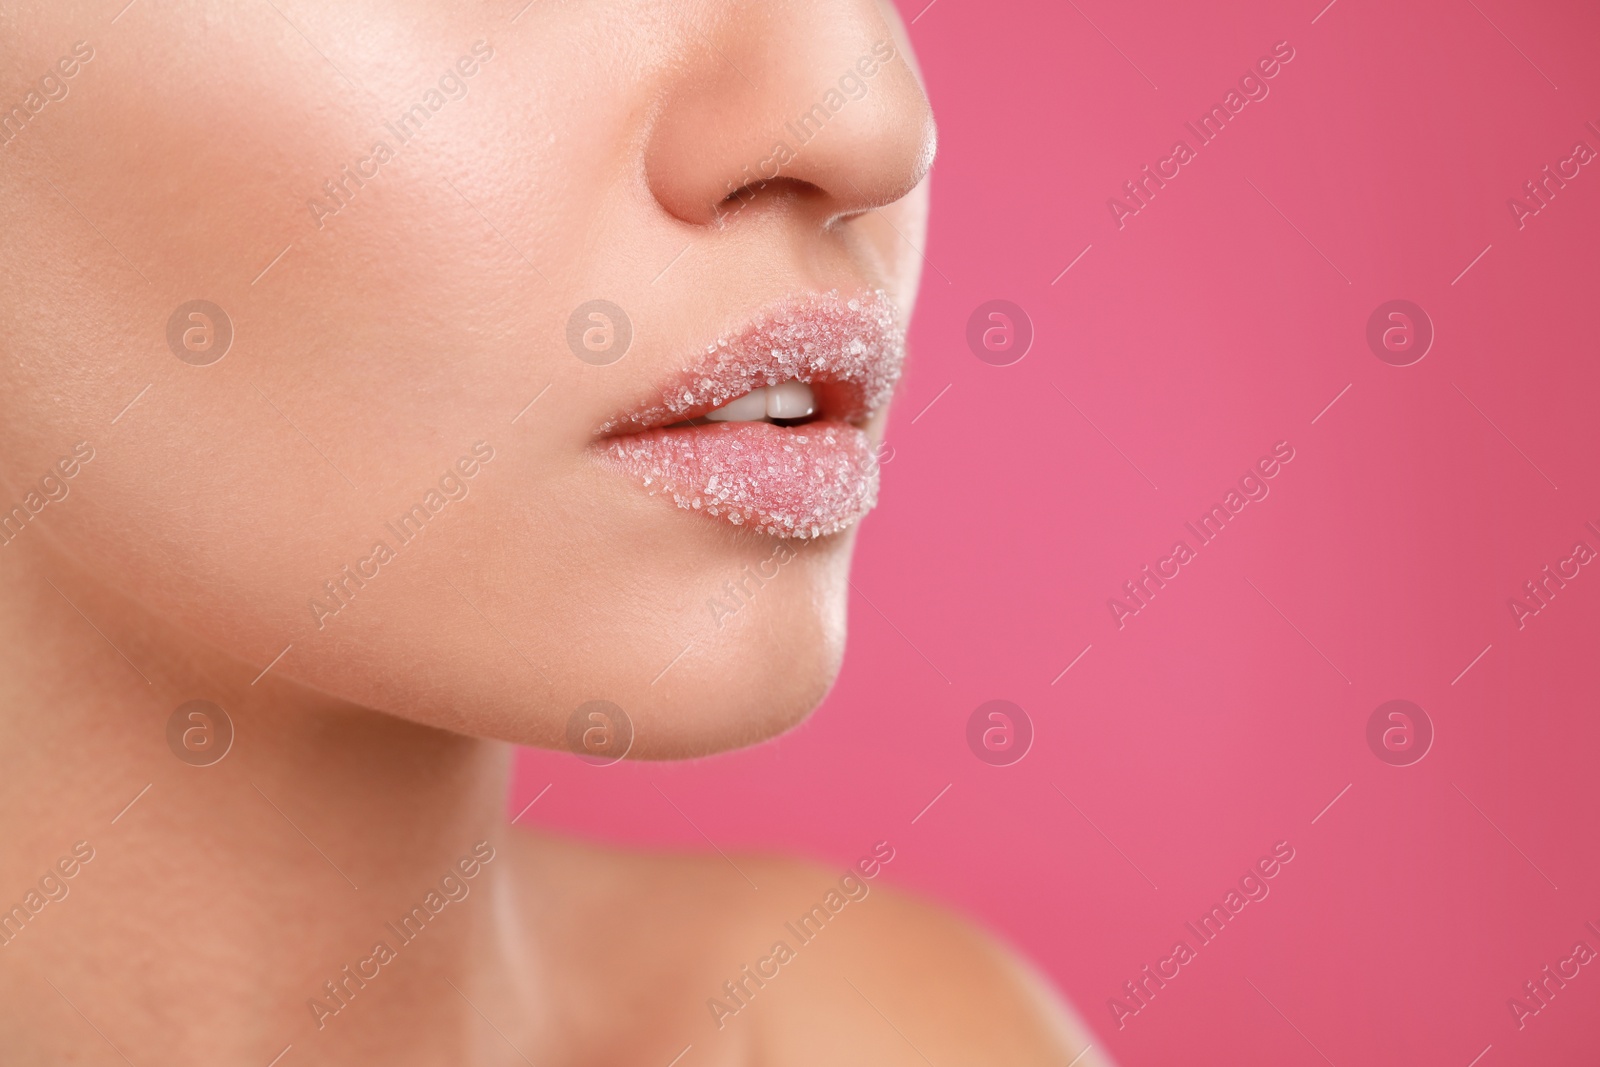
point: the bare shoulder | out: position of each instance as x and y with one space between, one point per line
769 960
911 982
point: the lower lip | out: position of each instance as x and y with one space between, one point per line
787 481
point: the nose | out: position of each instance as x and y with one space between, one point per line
816 97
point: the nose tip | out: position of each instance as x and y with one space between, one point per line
818 96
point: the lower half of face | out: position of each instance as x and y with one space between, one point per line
505 372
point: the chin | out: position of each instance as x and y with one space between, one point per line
716 650
763 660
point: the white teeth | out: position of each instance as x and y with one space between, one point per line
786 400
790 400
752 407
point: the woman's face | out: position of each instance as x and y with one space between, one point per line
461 263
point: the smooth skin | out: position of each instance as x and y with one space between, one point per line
382 336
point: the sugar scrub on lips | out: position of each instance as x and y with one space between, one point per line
826 338
798 481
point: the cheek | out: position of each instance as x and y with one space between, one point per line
362 367
895 256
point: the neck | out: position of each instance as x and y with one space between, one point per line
210 910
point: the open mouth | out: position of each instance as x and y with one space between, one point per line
789 403
767 429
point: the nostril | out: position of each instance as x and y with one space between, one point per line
778 189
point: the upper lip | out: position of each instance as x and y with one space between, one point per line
849 349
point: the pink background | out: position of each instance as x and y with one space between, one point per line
1208 728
